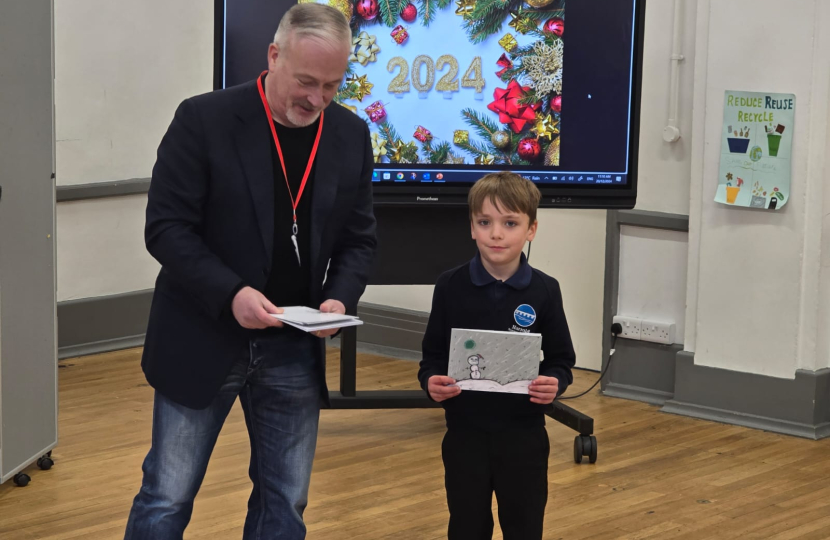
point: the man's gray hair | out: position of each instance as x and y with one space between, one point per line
311 19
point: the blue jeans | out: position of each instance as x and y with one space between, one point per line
279 388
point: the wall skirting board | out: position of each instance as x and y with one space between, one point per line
102 190
642 371
799 406
102 324
109 323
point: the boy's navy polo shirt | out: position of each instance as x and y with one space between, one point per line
529 301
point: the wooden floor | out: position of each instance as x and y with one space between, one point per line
378 474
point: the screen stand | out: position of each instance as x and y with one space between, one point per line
349 398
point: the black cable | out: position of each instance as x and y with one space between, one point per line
528 250
604 371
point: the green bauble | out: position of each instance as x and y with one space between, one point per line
500 139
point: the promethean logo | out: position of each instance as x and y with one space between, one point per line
426 198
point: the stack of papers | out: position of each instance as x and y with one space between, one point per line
310 320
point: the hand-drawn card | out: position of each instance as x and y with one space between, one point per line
492 361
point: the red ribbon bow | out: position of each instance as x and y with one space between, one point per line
511 112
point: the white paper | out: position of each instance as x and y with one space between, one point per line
492 361
310 320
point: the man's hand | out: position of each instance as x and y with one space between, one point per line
330 306
439 388
251 310
543 389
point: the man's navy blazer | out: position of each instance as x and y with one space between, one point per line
210 223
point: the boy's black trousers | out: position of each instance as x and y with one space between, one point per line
514 464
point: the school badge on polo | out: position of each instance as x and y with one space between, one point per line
524 315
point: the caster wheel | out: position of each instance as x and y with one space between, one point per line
49 453
21 479
592 453
45 463
578 450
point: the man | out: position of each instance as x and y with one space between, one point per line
260 197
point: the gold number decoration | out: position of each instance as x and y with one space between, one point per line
449 82
476 81
416 73
400 83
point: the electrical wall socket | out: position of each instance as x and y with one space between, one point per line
657 332
631 327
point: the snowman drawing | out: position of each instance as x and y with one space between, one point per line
473 360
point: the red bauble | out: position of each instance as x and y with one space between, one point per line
368 9
409 13
556 104
555 26
529 149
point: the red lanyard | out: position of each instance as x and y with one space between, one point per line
294 203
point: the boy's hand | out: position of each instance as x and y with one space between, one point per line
543 389
439 389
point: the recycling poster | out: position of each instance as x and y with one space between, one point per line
756 150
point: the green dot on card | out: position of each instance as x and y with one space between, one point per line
469 344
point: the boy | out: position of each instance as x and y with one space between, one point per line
497 441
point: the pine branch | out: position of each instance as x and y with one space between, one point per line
544 14
429 8
531 97
482 149
443 3
347 91
441 153
475 149
389 11
480 29
484 8
390 135
410 154
483 125
438 154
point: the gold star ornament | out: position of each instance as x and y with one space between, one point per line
522 23
546 127
465 7
360 85
399 148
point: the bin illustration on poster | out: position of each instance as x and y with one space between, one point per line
756 150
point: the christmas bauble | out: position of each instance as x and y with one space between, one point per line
368 9
538 3
343 6
556 104
500 139
529 149
555 26
409 13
